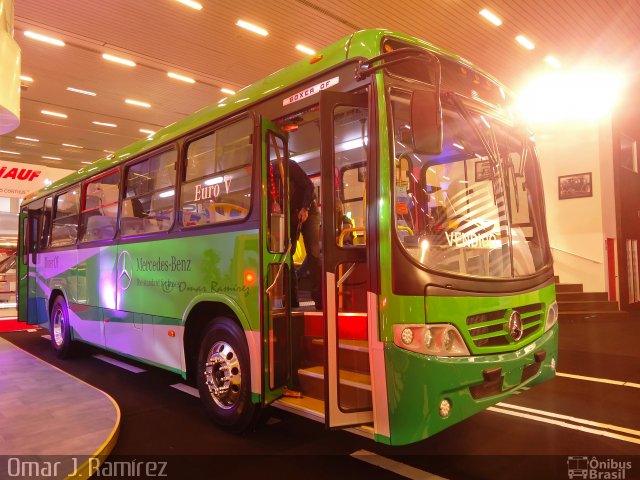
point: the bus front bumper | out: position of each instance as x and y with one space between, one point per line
417 384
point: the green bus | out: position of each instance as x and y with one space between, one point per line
438 291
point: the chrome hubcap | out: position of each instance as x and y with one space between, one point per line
223 375
58 327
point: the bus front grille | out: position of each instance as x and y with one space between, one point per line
491 329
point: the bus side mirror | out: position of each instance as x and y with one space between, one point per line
426 122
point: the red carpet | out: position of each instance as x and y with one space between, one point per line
11 324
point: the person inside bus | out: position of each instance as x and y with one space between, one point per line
305 219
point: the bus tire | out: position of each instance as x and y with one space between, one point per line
224 376
60 328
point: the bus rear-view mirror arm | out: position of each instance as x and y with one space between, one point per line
426 109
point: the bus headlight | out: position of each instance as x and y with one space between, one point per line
439 339
552 316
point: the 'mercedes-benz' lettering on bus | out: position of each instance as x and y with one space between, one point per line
171 264
437 296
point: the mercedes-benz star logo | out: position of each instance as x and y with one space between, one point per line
515 326
124 270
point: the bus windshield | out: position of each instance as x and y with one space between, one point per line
476 208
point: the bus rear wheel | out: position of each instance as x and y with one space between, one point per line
224 376
60 328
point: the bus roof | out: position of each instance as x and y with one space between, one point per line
361 44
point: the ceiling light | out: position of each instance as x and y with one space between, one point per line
553 61
51 158
228 91
112 125
9 152
53 114
180 77
107 151
252 28
71 145
86 163
83 92
25 78
137 103
44 38
28 139
123 61
525 42
148 132
493 18
307 50
192 4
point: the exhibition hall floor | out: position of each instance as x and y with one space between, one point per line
590 409
48 414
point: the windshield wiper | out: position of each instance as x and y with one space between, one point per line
464 113
495 162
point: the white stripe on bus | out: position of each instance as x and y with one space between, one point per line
186 389
394 466
599 380
562 424
120 364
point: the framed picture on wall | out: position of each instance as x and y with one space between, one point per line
575 186
483 170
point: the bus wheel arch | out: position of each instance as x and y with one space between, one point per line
196 324
55 293
223 375
60 326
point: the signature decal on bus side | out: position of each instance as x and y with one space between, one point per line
168 286
307 92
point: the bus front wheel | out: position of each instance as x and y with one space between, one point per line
224 376
59 328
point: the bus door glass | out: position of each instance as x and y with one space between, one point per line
344 126
28 224
276 262
23 265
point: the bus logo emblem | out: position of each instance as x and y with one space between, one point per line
124 270
515 326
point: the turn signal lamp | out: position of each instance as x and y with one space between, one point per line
316 59
249 278
407 336
441 340
171 333
445 408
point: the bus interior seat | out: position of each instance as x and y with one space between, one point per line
131 224
100 227
160 214
109 197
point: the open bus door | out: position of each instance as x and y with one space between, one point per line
28 236
276 263
344 125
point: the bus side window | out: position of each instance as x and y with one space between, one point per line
219 170
45 232
65 221
148 205
99 216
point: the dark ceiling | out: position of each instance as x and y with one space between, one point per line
165 35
